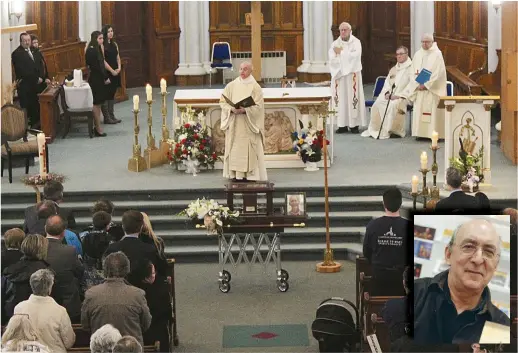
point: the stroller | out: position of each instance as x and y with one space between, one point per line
334 327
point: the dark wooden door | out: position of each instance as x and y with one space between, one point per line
128 19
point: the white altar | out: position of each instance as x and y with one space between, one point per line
284 108
468 118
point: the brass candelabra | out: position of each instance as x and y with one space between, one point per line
435 168
428 193
136 163
164 145
151 154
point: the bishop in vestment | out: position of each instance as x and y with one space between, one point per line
244 129
426 117
397 80
345 65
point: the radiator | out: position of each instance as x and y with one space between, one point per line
273 65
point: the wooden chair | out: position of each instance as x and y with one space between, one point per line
373 323
68 114
14 128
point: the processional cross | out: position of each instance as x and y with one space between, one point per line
255 20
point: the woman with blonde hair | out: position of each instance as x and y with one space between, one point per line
148 236
21 336
18 288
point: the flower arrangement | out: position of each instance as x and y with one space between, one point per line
308 143
212 214
193 144
470 167
38 180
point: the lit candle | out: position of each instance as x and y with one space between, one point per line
149 93
424 160
435 138
163 85
41 152
415 181
135 102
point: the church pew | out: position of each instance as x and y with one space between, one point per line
462 83
172 290
373 323
490 82
363 277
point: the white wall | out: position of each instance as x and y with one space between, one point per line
494 36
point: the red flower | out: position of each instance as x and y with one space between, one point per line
184 151
195 136
203 141
187 126
178 145
183 141
214 155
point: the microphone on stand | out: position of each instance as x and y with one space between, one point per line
386 109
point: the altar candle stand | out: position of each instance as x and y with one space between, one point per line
435 194
151 154
136 163
164 145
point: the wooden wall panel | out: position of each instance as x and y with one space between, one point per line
461 20
282 30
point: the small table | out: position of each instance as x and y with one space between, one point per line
79 98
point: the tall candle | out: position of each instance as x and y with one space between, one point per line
163 85
41 153
149 93
435 138
135 102
424 160
415 181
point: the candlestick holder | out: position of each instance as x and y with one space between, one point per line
414 199
136 163
425 192
435 194
151 154
164 145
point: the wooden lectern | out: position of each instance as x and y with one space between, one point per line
468 118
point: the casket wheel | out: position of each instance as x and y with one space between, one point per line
226 276
224 286
284 275
283 286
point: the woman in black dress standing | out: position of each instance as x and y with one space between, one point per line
98 77
112 63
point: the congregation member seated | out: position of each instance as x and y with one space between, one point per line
159 303
95 242
16 284
134 248
128 344
104 339
47 317
53 191
384 246
115 230
148 236
116 302
395 314
21 336
458 200
483 202
69 270
11 250
453 306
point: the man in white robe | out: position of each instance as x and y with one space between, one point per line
397 80
244 129
426 117
345 65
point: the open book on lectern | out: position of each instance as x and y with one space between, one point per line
244 103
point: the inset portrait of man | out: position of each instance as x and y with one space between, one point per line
296 205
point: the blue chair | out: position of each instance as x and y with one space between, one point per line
378 86
221 58
449 88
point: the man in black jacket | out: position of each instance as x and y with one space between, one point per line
458 200
454 306
41 64
28 76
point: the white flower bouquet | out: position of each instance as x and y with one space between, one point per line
212 214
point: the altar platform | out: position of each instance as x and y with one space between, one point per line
100 164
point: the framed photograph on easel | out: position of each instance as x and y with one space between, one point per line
295 204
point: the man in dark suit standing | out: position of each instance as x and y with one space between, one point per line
41 64
458 200
67 267
135 249
53 191
28 77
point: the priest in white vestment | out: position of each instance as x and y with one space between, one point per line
345 65
426 117
394 111
244 129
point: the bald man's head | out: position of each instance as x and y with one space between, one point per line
55 226
245 69
345 31
426 41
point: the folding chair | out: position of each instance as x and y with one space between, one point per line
378 86
221 58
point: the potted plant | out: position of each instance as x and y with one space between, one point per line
470 166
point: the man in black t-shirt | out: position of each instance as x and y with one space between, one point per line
385 244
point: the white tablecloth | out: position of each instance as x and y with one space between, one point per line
79 98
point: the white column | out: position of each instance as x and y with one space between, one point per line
321 38
90 19
191 42
205 36
421 22
307 37
494 35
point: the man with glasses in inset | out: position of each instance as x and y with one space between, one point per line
388 112
426 117
454 306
